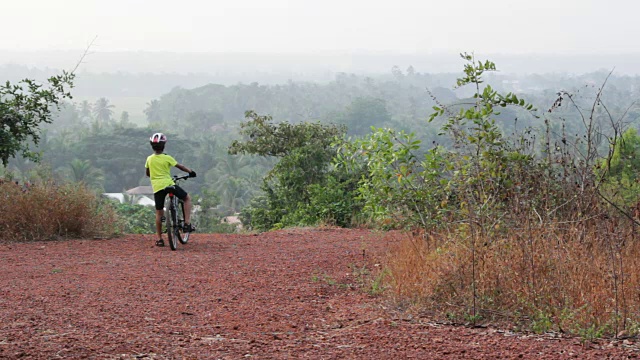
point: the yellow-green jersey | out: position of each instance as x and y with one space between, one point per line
159 166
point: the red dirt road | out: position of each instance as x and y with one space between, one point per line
285 294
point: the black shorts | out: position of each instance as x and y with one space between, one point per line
160 196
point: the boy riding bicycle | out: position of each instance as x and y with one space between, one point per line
158 169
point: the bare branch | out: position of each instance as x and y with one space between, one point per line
84 54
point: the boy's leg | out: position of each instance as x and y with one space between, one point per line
159 215
187 210
159 199
184 196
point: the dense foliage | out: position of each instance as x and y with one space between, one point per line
136 219
508 221
23 108
294 189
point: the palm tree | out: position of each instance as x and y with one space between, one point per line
102 111
85 111
233 192
125 122
59 147
230 180
153 111
81 171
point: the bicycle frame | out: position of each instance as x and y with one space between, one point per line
175 219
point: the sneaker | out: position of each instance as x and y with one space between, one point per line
188 228
160 243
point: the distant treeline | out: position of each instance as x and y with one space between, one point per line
98 143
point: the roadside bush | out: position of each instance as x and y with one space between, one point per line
534 228
260 215
136 219
333 203
222 228
49 212
140 219
392 185
304 153
574 277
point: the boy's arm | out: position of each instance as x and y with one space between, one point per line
146 167
186 169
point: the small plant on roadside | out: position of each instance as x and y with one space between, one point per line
329 280
451 316
541 323
473 318
324 278
359 273
633 327
591 333
378 283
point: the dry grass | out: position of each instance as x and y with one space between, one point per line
577 278
49 212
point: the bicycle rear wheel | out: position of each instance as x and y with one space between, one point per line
172 224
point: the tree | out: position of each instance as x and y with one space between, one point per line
397 73
202 122
102 111
363 113
66 117
231 181
626 156
305 151
81 171
124 120
264 138
23 108
85 111
622 179
153 111
57 149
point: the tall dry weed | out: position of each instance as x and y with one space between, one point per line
571 277
48 211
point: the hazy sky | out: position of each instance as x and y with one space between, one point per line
407 26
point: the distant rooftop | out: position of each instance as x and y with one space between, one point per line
140 190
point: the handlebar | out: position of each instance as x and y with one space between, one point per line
183 177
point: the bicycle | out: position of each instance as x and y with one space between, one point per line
175 218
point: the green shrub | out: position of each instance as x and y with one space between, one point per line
260 215
137 219
335 202
221 228
304 153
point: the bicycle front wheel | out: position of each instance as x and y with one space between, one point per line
184 238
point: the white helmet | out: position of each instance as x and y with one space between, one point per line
158 138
